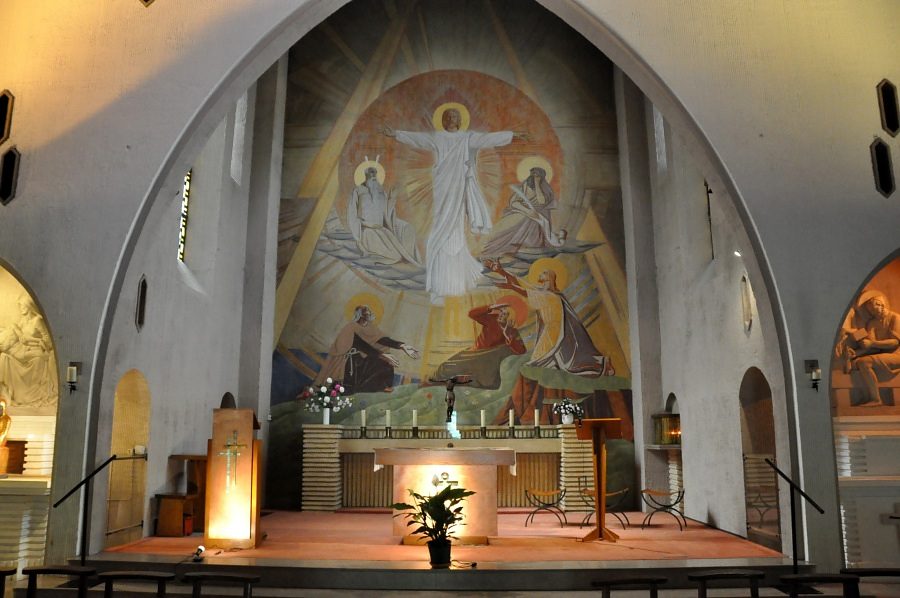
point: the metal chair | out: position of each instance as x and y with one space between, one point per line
652 498
546 500
614 502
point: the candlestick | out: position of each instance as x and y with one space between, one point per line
387 418
363 416
415 418
482 418
512 419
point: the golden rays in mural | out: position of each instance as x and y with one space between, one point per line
359 175
374 303
523 170
553 264
437 119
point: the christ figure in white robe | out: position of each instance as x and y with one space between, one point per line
449 267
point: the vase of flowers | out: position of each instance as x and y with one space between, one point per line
568 410
326 398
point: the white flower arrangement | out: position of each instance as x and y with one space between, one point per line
328 396
567 407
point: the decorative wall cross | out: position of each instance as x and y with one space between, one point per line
231 453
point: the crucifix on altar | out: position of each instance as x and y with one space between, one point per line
232 482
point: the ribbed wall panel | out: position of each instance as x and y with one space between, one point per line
362 486
538 471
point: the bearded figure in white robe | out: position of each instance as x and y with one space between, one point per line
380 234
449 267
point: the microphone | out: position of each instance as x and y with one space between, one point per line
196 556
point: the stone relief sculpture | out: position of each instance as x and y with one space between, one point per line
26 359
871 346
5 422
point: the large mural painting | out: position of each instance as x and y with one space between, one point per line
451 198
865 375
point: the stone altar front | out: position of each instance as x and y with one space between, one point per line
427 470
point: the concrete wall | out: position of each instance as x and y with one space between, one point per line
776 99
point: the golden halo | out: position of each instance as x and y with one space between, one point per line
523 170
549 263
369 299
437 119
517 305
359 175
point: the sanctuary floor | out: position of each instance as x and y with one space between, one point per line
366 536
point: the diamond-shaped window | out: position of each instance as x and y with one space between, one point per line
882 167
890 111
9 172
6 106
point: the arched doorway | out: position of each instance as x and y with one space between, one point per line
865 403
130 434
29 388
758 445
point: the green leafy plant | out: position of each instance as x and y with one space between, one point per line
436 515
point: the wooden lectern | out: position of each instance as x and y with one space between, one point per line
232 481
597 431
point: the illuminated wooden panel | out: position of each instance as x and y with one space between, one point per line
533 470
232 493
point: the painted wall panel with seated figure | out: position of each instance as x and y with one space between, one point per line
451 209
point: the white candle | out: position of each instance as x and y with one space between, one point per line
415 418
482 418
387 418
537 417
71 374
512 419
363 415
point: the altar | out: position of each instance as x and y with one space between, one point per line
427 470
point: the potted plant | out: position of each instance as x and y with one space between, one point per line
434 517
568 410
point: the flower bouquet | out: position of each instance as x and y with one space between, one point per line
568 410
327 398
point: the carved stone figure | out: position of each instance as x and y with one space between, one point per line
874 349
5 422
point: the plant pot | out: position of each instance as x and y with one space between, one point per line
568 418
439 551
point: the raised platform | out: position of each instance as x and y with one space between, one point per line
356 550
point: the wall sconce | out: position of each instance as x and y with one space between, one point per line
72 372
814 372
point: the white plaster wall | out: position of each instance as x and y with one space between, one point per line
189 348
705 349
777 96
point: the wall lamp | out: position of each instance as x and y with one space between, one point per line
814 372
72 372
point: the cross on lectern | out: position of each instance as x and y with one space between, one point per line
231 453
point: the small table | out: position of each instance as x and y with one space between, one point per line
176 515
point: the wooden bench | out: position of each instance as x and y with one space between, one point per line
4 573
704 577
82 573
198 578
636 583
850 583
158 577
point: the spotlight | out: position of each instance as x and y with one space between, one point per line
197 553
737 253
